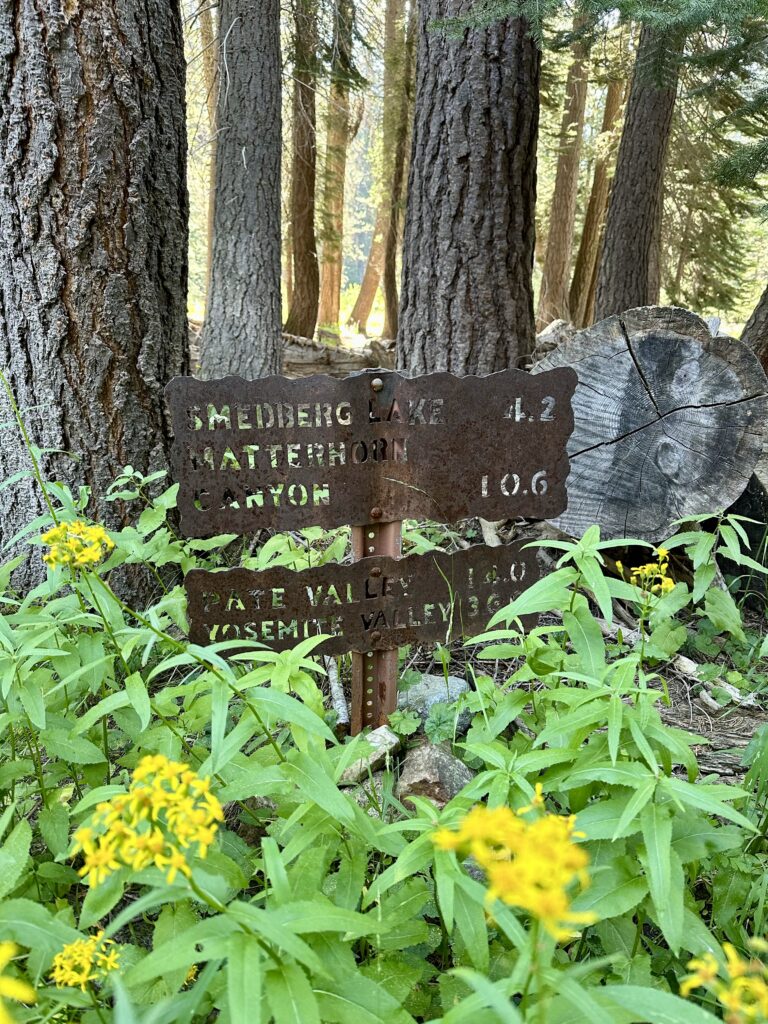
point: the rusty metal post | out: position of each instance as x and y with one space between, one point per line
374 675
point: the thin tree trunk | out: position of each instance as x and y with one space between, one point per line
93 249
581 298
242 325
338 137
467 302
401 103
302 316
361 311
210 44
553 298
755 333
628 273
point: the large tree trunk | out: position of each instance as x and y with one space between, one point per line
628 273
361 311
338 137
553 298
302 316
467 303
756 331
93 248
242 323
210 43
399 53
581 298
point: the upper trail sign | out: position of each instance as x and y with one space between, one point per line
374 447
368 450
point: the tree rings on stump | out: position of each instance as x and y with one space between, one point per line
669 422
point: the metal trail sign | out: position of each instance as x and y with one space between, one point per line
370 450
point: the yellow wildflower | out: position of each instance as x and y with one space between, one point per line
743 992
653 577
191 974
12 988
167 810
76 544
84 961
532 865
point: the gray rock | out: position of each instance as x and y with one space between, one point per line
433 772
435 689
383 743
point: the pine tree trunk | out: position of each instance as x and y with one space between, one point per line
302 316
553 298
467 303
581 297
93 247
338 137
399 53
628 274
242 324
210 43
756 331
361 311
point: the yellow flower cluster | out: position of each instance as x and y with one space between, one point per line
76 544
167 810
12 988
83 961
530 864
743 993
653 577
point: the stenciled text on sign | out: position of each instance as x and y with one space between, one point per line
376 447
374 604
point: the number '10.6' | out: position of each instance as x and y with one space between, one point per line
509 484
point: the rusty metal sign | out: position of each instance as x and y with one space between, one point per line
375 604
374 447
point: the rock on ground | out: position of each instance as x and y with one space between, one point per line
432 771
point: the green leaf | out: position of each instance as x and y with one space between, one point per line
723 612
488 994
100 899
53 823
657 1007
616 889
587 640
471 926
615 714
73 749
664 872
707 798
547 594
13 856
635 804
244 978
136 690
353 998
34 926
290 996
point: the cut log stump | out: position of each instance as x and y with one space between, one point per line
669 422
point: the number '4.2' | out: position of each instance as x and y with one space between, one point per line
517 413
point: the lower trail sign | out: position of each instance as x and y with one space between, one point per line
368 450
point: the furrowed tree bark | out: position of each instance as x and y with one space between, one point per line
338 137
210 57
756 331
242 324
628 272
581 297
467 302
302 317
93 251
399 53
361 311
553 298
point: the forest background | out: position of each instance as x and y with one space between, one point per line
714 232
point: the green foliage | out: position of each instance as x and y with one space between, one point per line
310 907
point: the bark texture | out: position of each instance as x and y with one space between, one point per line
209 41
242 323
467 302
628 275
756 331
581 297
339 133
93 248
553 298
302 316
399 53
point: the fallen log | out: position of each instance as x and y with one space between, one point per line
669 422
